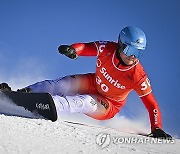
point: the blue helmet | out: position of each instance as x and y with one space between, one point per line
134 40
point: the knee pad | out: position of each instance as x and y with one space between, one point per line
82 103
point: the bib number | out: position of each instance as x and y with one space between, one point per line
103 86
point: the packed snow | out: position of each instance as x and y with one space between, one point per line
75 133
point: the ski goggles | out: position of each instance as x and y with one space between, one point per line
130 51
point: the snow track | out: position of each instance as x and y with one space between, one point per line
34 136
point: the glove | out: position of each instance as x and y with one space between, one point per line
5 86
26 90
159 133
68 51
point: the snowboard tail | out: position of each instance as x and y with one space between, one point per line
41 103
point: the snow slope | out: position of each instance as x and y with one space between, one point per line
26 135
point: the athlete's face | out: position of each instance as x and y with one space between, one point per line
128 60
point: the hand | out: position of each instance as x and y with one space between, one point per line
159 133
5 86
68 51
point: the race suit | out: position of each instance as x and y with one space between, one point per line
103 93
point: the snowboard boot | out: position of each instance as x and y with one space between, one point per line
26 90
5 86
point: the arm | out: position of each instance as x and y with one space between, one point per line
143 89
85 49
155 117
153 109
78 49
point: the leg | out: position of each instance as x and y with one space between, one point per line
69 85
94 106
76 103
106 108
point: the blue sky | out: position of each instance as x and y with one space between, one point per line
31 31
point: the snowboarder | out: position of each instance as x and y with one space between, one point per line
102 94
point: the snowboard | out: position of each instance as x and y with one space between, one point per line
39 103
